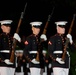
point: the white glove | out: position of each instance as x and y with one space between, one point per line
17 37
70 38
59 60
43 36
34 61
7 61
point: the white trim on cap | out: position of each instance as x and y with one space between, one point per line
19 51
36 23
6 22
61 23
44 51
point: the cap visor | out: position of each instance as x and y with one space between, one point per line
36 26
62 26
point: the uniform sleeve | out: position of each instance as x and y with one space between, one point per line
27 49
1 56
51 48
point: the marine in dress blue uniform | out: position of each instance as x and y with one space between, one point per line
31 49
56 45
6 67
5 47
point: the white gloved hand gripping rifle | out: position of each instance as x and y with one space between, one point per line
43 36
70 38
59 60
34 61
17 37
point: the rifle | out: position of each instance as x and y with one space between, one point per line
67 40
44 32
47 22
14 40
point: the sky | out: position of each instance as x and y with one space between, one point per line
37 10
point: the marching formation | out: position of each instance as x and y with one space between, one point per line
36 54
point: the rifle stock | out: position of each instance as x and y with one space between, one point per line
46 25
14 40
44 32
67 40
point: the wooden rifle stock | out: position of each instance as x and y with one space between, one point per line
44 32
67 40
14 40
46 25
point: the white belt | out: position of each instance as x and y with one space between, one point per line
5 51
31 52
55 52
60 52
